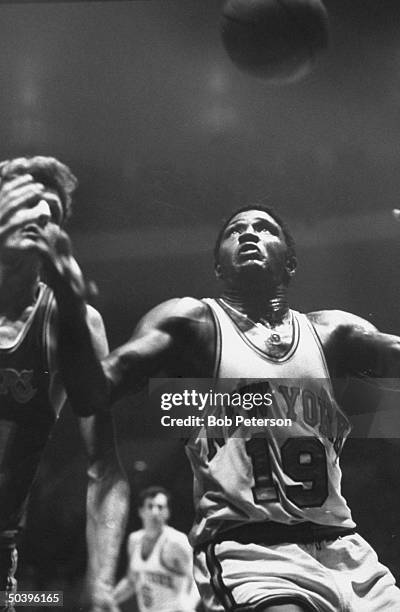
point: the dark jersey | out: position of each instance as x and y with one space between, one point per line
26 413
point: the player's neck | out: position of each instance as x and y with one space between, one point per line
260 303
153 533
18 289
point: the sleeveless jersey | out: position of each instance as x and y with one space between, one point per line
26 414
287 472
158 587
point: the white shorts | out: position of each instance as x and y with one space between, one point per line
341 575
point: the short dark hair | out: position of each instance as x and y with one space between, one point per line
151 492
47 170
290 242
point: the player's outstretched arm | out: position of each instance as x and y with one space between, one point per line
357 347
156 343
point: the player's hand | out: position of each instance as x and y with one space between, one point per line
17 198
100 598
61 270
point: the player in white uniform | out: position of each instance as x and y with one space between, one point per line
272 530
159 560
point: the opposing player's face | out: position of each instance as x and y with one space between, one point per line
155 511
41 218
44 216
253 242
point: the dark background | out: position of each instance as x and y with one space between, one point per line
166 136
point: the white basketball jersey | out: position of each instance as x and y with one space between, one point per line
158 587
288 473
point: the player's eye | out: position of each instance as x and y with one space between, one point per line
56 213
266 227
232 231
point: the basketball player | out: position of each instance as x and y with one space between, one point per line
272 530
159 560
35 201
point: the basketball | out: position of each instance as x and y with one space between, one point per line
278 40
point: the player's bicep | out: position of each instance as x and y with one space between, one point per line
152 345
374 354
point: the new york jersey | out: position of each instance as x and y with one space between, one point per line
160 584
287 470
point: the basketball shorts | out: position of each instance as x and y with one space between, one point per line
340 575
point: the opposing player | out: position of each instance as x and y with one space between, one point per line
159 560
35 201
272 530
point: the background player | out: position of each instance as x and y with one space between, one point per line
272 529
159 560
35 200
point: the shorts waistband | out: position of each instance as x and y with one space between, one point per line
271 533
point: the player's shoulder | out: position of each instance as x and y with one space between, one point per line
182 306
339 320
135 537
175 536
176 311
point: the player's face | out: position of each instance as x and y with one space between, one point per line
155 511
43 218
45 215
253 242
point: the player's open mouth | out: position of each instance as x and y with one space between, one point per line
30 231
249 251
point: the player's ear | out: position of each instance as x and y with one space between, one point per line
291 265
218 271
